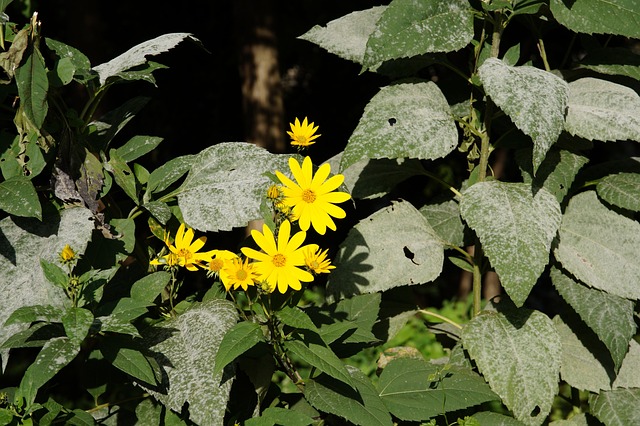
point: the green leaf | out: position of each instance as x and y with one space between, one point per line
399 241
613 61
225 185
622 190
239 339
555 174
126 308
403 120
159 210
77 58
147 288
608 315
597 244
34 337
602 110
29 314
515 228
413 389
53 356
23 244
11 59
628 375
18 197
125 354
495 419
375 178
110 124
137 55
296 318
407 28
76 322
54 273
363 408
142 72
620 17
280 416
534 99
363 311
33 85
445 220
580 366
116 324
618 407
62 73
123 175
522 7
168 173
138 146
186 348
313 351
519 353
346 36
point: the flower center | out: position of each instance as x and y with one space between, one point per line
308 196
185 253
315 265
215 265
279 260
302 140
241 275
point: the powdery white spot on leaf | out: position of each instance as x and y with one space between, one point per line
346 36
515 228
409 28
518 352
393 247
597 244
424 127
226 185
24 242
534 99
604 111
186 347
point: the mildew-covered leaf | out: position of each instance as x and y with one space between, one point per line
597 244
628 376
495 419
408 28
409 120
23 242
579 366
18 197
226 185
622 190
618 407
519 353
515 228
534 99
613 61
608 315
186 347
137 55
602 110
346 36
620 17
393 247
445 220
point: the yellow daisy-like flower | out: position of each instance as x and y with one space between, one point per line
316 260
237 273
302 134
184 250
312 198
218 259
67 255
279 262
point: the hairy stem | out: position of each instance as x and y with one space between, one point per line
543 54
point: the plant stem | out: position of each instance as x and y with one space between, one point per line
440 317
543 54
443 183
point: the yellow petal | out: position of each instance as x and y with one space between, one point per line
331 184
321 175
283 236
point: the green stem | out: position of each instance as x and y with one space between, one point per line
440 317
442 182
543 54
477 278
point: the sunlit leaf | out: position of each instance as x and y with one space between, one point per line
618 407
621 189
236 341
620 17
516 229
410 120
18 197
597 244
613 61
33 84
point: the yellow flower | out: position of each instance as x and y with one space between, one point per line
312 197
273 192
184 250
218 259
67 255
237 273
302 134
316 260
279 263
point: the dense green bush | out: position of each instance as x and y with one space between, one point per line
121 306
